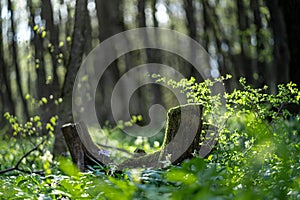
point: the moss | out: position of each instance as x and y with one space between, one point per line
182 138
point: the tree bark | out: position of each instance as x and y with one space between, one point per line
5 87
261 65
192 28
76 54
38 56
110 18
243 62
88 35
53 30
291 14
190 16
153 7
152 56
16 61
281 49
141 17
177 145
81 146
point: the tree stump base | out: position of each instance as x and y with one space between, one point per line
182 139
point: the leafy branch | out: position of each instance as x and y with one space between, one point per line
17 166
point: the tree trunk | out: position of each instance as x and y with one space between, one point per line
53 30
281 49
243 24
261 65
76 54
38 56
192 28
190 16
16 61
141 16
5 87
154 10
152 56
110 18
291 14
212 23
88 35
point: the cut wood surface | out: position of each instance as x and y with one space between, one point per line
182 138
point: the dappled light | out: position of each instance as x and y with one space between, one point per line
157 99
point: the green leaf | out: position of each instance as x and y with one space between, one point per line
43 34
68 167
182 176
44 100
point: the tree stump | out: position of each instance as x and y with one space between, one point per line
82 149
182 138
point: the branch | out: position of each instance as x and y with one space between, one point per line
16 167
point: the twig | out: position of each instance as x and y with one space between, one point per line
16 167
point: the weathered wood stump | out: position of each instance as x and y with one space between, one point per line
182 138
82 149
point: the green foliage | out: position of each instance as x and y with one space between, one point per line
33 137
257 155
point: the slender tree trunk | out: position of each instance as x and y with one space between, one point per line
192 28
70 18
76 54
141 16
42 88
214 24
16 62
291 14
206 25
47 14
5 88
153 6
7 103
242 22
88 35
140 102
190 16
243 62
52 89
281 49
152 56
38 55
110 18
261 65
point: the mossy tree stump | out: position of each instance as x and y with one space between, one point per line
182 138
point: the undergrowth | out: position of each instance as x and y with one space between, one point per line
257 155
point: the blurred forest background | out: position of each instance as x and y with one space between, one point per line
43 43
